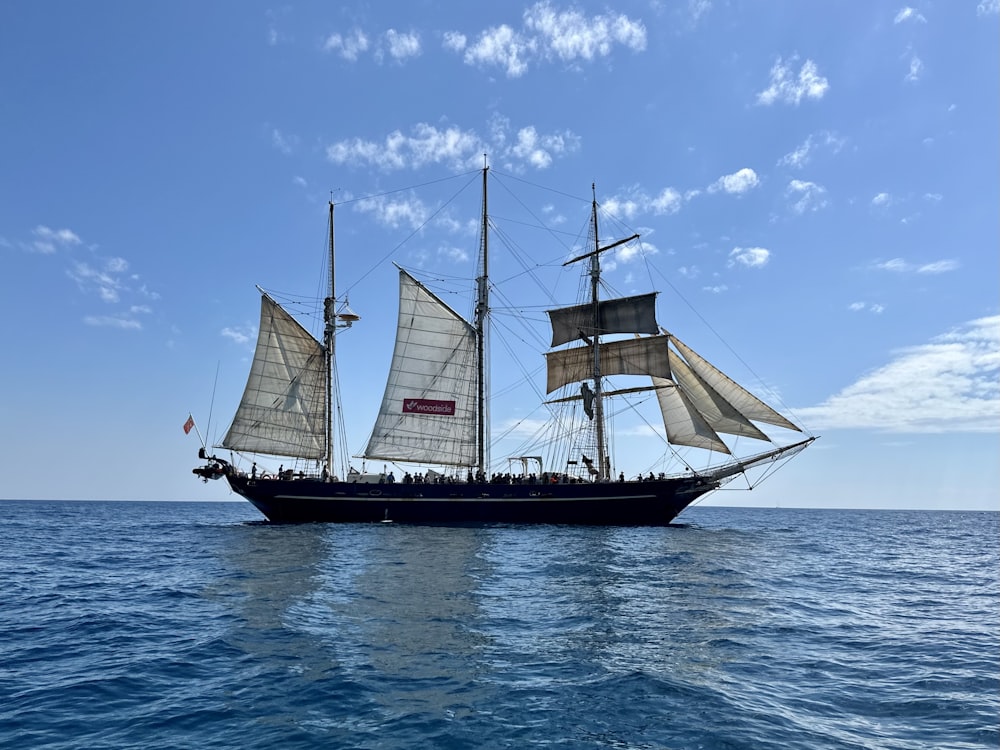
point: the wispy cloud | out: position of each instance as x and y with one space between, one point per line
548 34
736 183
47 241
951 384
635 202
872 307
396 210
988 7
802 155
104 280
806 196
428 144
790 87
113 321
916 70
749 257
349 46
241 335
909 14
400 46
898 265
284 143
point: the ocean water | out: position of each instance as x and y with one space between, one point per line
194 625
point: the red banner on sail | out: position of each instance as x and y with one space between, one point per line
429 406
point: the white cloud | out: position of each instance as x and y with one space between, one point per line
537 150
548 34
988 7
751 257
949 385
698 8
938 266
909 14
113 321
736 183
283 143
882 199
47 240
455 147
454 254
916 70
350 46
716 289
861 306
400 46
635 201
789 87
396 210
807 196
667 202
454 41
104 281
898 265
427 145
240 335
802 155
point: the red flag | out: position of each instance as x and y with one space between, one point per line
189 424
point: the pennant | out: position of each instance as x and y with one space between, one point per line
189 424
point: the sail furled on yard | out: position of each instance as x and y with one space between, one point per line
624 315
428 412
284 406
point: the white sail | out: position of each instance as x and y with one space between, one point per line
284 407
684 423
719 413
644 356
744 401
428 412
624 315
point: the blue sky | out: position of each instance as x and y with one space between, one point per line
818 180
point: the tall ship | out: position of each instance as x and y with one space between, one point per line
431 442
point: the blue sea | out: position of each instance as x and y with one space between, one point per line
196 625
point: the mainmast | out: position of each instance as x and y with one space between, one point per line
592 334
595 281
329 337
481 317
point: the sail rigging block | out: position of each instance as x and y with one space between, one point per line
428 411
625 315
645 356
284 406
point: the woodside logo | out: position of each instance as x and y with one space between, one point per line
428 406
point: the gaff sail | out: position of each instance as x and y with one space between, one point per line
284 406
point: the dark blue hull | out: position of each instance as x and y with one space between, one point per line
645 503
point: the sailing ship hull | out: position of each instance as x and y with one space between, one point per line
639 503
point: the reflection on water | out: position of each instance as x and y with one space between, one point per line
384 623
